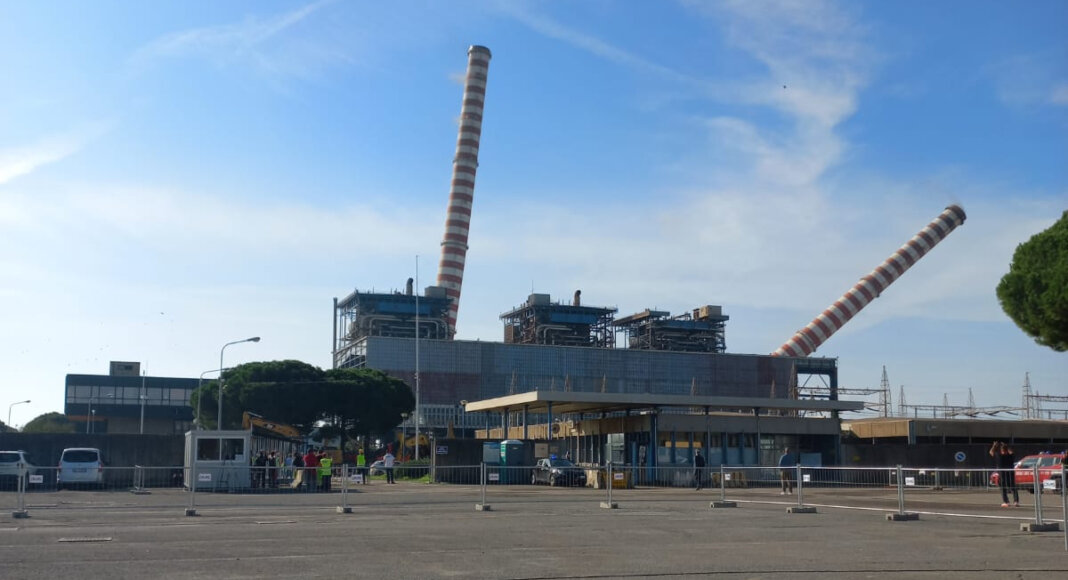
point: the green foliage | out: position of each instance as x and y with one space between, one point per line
1034 293
348 402
49 423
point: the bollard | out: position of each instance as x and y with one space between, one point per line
901 515
800 508
193 477
483 507
608 478
1038 525
344 508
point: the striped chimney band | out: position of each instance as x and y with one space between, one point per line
462 191
809 338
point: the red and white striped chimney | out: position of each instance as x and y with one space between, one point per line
809 338
462 191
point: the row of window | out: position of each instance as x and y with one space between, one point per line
100 395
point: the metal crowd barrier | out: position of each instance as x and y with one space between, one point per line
899 492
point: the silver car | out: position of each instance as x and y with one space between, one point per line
11 464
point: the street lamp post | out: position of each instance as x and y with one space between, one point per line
200 396
9 410
404 433
218 424
142 397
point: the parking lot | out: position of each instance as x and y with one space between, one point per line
417 530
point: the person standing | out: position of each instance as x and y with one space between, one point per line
1005 461
786 462
259 468
311 469
325 471
361 465
387 465
698 468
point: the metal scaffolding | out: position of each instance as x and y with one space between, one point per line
703 330
539 321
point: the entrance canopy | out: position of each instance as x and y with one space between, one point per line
558 402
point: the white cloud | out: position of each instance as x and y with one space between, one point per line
25 159
257 42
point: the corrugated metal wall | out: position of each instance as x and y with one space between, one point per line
451 371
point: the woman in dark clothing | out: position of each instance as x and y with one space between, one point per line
1005 460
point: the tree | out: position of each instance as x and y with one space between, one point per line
347 402
285 402
49 423
1034 293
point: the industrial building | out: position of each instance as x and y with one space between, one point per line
127 401
742 406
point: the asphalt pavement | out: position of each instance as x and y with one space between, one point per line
411 530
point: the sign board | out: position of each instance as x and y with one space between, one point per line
960 457
618 476
356 478
1050 484
204 477
910 481
807 477
726 477
36 479
442 450
493 476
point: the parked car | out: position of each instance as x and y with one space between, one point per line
557 472
11 463
80 465
1049 469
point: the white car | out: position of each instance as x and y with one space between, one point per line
80 465
11 463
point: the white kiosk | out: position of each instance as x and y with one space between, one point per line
218 460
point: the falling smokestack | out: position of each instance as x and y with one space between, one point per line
809 338
578 298
408 288
462 191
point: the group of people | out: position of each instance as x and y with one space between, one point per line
314 468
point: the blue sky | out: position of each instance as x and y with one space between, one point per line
178 175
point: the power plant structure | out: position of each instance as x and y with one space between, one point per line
671 374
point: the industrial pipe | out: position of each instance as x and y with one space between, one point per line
809 338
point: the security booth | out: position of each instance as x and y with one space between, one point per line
218 460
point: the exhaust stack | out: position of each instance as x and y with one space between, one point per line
462 190
809 338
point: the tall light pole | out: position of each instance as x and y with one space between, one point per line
89 414
9 410
222 350
417 415
404 434
142 397
200 396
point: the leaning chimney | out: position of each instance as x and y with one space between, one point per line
578 297
462 191
809 338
